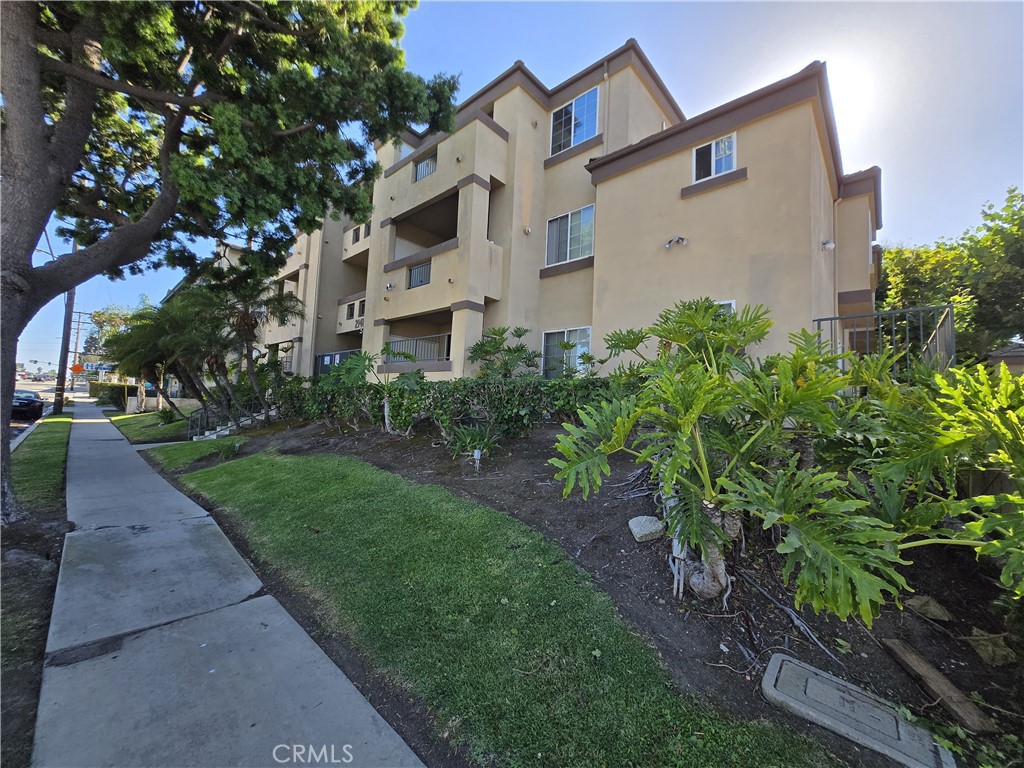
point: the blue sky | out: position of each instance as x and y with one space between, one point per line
933 93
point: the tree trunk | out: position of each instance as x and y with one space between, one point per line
14 316
705 576
250 369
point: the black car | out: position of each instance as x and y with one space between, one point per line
27 405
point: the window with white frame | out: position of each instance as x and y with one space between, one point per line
729 305
562 351
362 307
425 167
404 150
571 236
574 122
350 311
714 158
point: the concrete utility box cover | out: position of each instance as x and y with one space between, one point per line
851 712
646 527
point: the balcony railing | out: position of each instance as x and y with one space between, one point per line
927 333
422 348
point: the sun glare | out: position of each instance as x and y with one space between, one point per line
854 88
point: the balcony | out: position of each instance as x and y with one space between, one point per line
479 147
436 278
356 248
423 349
925 333
351 312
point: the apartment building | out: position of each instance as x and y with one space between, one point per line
588 207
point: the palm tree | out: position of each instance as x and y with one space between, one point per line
138 351
245 309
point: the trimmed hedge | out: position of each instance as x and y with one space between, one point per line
507 407
113 394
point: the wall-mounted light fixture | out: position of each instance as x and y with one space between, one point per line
526 230
828 245
677 240
451 280
388 287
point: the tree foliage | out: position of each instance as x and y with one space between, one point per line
981 274
148 125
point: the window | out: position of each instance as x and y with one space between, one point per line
366 229
562 350
355 235
404 150
729 305
419 275
350 311
425 167
571 236
362 307
715 158
575 122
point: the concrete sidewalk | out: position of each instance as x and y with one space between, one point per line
163 651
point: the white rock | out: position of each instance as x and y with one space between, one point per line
646 527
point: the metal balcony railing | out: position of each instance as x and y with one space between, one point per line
422 348
927 333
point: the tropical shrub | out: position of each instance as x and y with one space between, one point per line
855 460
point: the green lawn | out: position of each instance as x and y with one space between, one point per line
513 650
175 457
38 464
146 428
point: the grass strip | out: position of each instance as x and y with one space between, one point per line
513 650
38 465
147 428
174 457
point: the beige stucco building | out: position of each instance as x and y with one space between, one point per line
588 207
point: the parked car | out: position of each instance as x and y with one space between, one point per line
27 405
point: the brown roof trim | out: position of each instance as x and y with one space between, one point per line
493 125
519 75
713 183
866 182
863 296
385 222
716 122
428 145
380 321
352 297
422 257
427 366
473 178
576 151
475 306
567 266
296 339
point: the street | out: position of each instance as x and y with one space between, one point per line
45 390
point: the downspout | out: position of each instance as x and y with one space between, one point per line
607 98
835 259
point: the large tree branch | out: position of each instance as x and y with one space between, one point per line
258 15
110 84
72 130
93 211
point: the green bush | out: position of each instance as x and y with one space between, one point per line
104 390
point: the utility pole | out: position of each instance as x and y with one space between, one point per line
62 366
65 340
81 319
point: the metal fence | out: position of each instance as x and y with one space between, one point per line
324 363
924 332
422 348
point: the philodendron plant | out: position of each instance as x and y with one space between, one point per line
721 435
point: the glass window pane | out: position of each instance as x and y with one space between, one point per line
724 155
587 232
554 355
558 240
561 129
419 275
702 164
585 116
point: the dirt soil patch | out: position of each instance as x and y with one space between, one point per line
29 560
716 651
